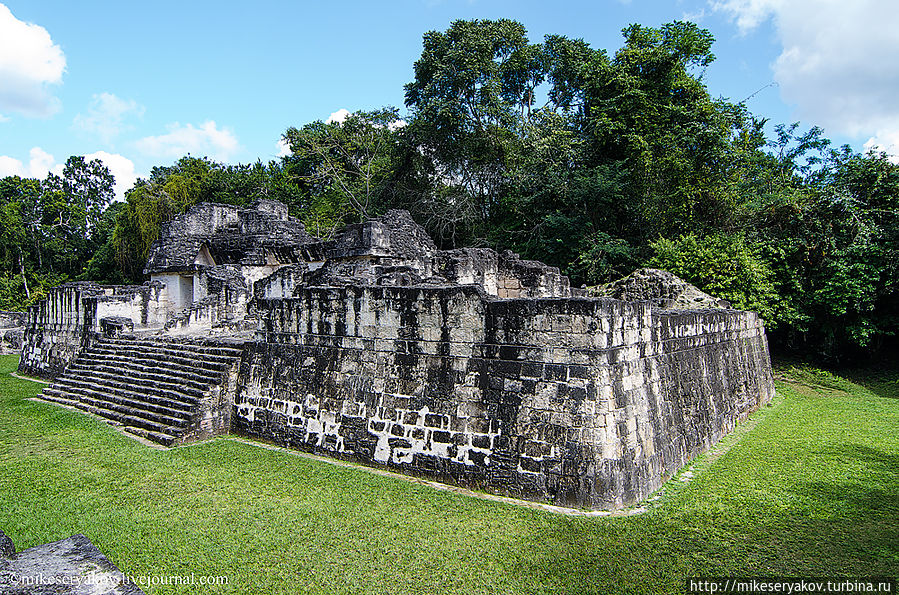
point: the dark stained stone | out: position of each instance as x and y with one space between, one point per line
71 566
7 547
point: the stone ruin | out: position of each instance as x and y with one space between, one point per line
71 566
660 288
469 366
12 329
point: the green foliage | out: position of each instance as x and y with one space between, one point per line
343 168
474 88
725 266
102 267
49 228
606 258
13 296
647 109
594 162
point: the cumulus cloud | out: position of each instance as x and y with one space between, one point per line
120 167
748 14
29 63
338 117
837 62
887 141
205 140
39 164
283 148
106 116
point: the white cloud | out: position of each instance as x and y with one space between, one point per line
106 115
338 117
837 62
207 140
39 164
886 140
120 167
694 17
283 148
748 14
10 166
29 63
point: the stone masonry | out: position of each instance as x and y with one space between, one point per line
471 366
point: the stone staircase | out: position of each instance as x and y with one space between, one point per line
167 391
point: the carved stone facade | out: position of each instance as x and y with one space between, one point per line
468 365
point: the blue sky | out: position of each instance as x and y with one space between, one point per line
141 84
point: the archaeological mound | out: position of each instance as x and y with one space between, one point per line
469 366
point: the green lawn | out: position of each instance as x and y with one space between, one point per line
811 490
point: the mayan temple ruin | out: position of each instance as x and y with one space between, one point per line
468 366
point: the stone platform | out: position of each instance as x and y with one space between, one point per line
471 366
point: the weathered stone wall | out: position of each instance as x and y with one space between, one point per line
70 318
585 402
502 274
12 330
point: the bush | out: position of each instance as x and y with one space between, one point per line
725 266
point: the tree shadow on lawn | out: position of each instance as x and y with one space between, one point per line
820 528
883 382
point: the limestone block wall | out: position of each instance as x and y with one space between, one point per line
581 401
59 327
503 275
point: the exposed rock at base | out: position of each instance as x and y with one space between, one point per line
665 290
71 566
7 547
12 330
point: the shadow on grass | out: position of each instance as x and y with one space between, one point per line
883 382
841 525
879 379
860 499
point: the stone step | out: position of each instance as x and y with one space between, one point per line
62 398
172 400
123 364
190 349
158 437
128 419
101 403
168 355
137 378
158 406
196 367
148 357
151 387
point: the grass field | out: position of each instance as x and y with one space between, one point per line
811 490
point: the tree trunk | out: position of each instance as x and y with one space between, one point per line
22 270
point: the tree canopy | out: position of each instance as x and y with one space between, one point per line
596 162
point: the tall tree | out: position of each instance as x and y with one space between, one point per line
71 207
344 167
474 86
